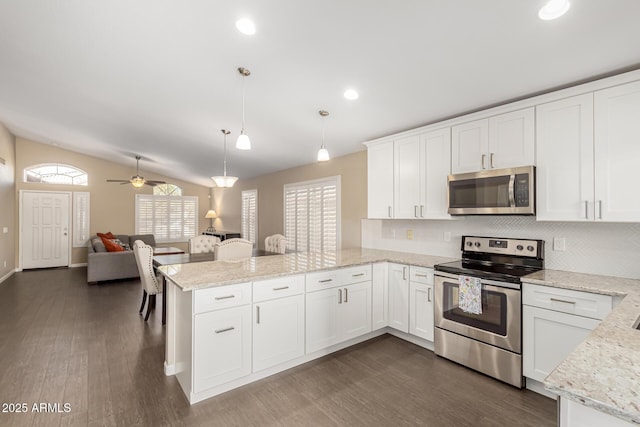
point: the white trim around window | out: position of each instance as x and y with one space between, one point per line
249 227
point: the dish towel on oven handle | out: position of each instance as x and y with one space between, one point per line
469 297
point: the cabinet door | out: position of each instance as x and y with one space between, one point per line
321 319
355 311
512 139
278 331
548 338
399 297
380 180
469 146
380 296
437 166
617 153
407 167
421 310
222 347
564 152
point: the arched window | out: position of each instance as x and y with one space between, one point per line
55 173
167 190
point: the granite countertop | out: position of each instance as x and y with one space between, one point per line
603 372
200 275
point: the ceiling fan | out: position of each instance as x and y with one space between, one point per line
137 180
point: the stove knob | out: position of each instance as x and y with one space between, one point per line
519 247
530 248
469 243
477 244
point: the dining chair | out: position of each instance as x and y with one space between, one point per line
275 243
203 244
150 283
233 249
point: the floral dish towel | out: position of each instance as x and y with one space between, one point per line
469 297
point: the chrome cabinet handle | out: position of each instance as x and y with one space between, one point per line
281 288
421 211
483 157
420 275
491 160
346 295
389 211
562 300
219 331
224 297
339 296
357 275
600 209
404 273
586 209
429 294
326 280
415 211
257 314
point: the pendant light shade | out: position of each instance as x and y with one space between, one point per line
225 181
243 142
323 153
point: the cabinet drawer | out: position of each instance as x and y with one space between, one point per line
421 275
322 280
595 306
277 288
222 297
361 273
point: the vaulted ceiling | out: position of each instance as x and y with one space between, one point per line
159 78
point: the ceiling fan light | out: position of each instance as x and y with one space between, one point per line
554 9
323 154
224 181
243 142
137 182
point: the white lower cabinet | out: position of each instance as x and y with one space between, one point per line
379 296
337 314
554 322
221 346
278 331
421 302
399 297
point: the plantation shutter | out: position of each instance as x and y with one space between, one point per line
250 216
312 215
168 218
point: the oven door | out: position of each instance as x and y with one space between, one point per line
501 318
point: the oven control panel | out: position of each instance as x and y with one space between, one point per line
492 245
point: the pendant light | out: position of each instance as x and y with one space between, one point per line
225 181
243 142
323 153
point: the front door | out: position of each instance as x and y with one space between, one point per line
45 229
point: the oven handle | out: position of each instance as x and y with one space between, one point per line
496 283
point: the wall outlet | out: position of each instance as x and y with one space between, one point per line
447 236
559 244
5 230
410 234
5 264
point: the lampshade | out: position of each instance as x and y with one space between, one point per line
243 142
137 182
211 214
224 181
323 154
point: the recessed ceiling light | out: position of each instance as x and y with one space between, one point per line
246 26
554 9
351 94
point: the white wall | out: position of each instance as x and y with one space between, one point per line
596 248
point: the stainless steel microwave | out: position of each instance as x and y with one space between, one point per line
493 192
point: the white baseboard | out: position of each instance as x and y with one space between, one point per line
79 264
6 276
538 387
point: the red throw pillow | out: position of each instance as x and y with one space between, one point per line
106 235
111 245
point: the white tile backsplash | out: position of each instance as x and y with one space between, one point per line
596 248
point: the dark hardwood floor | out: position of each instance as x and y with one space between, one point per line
64 342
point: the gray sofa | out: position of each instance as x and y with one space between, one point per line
103 265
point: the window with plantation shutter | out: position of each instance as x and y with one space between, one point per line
250 216
168 218
312 215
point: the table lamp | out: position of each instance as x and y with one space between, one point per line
211 214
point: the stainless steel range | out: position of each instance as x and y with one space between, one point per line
478 305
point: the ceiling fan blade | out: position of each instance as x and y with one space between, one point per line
150 183
119 180
156 182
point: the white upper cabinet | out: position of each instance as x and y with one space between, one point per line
437 157
380 180
564 152
503 141
617 153
469 146
408 166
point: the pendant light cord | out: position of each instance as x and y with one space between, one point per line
243 93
